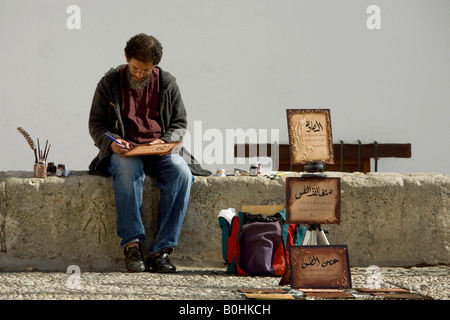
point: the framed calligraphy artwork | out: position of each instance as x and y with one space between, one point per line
320 267
313 200
310 137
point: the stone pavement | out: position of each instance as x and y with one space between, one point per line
198 284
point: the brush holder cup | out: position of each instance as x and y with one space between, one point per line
40 170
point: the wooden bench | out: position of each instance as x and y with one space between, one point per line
347 157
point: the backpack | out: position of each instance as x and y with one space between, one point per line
257 244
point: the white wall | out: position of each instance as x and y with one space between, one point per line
239 64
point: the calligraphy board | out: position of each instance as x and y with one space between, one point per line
152 149
320 267
310 137
313 200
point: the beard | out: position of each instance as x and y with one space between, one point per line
138 85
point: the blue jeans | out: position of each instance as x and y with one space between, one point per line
174 179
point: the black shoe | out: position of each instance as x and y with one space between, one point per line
133 259
161 263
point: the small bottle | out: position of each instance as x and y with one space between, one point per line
254 170
220 173
61 170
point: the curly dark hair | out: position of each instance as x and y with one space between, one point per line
144 48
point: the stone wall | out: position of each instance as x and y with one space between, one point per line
48 224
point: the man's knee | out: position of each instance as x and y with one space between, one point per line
126 167
182 172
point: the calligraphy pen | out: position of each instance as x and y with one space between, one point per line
116 141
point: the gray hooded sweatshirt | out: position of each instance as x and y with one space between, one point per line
105 115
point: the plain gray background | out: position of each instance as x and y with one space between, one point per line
239 64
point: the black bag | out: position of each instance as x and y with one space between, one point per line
193 164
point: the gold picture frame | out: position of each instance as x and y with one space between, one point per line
310 136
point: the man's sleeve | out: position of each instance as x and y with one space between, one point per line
178 118
99 119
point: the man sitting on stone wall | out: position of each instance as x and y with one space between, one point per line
139 103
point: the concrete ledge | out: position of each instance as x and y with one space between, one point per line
48 224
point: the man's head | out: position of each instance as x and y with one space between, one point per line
143 53
144 48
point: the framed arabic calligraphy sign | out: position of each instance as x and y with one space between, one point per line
320 267
313 200
310 137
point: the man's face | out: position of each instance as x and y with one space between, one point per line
140 70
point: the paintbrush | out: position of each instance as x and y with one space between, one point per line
46 153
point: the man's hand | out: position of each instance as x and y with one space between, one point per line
157 141
117 148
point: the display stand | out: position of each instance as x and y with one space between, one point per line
314 199
314 169
310 238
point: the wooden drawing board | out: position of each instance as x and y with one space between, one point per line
263 209
153 149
